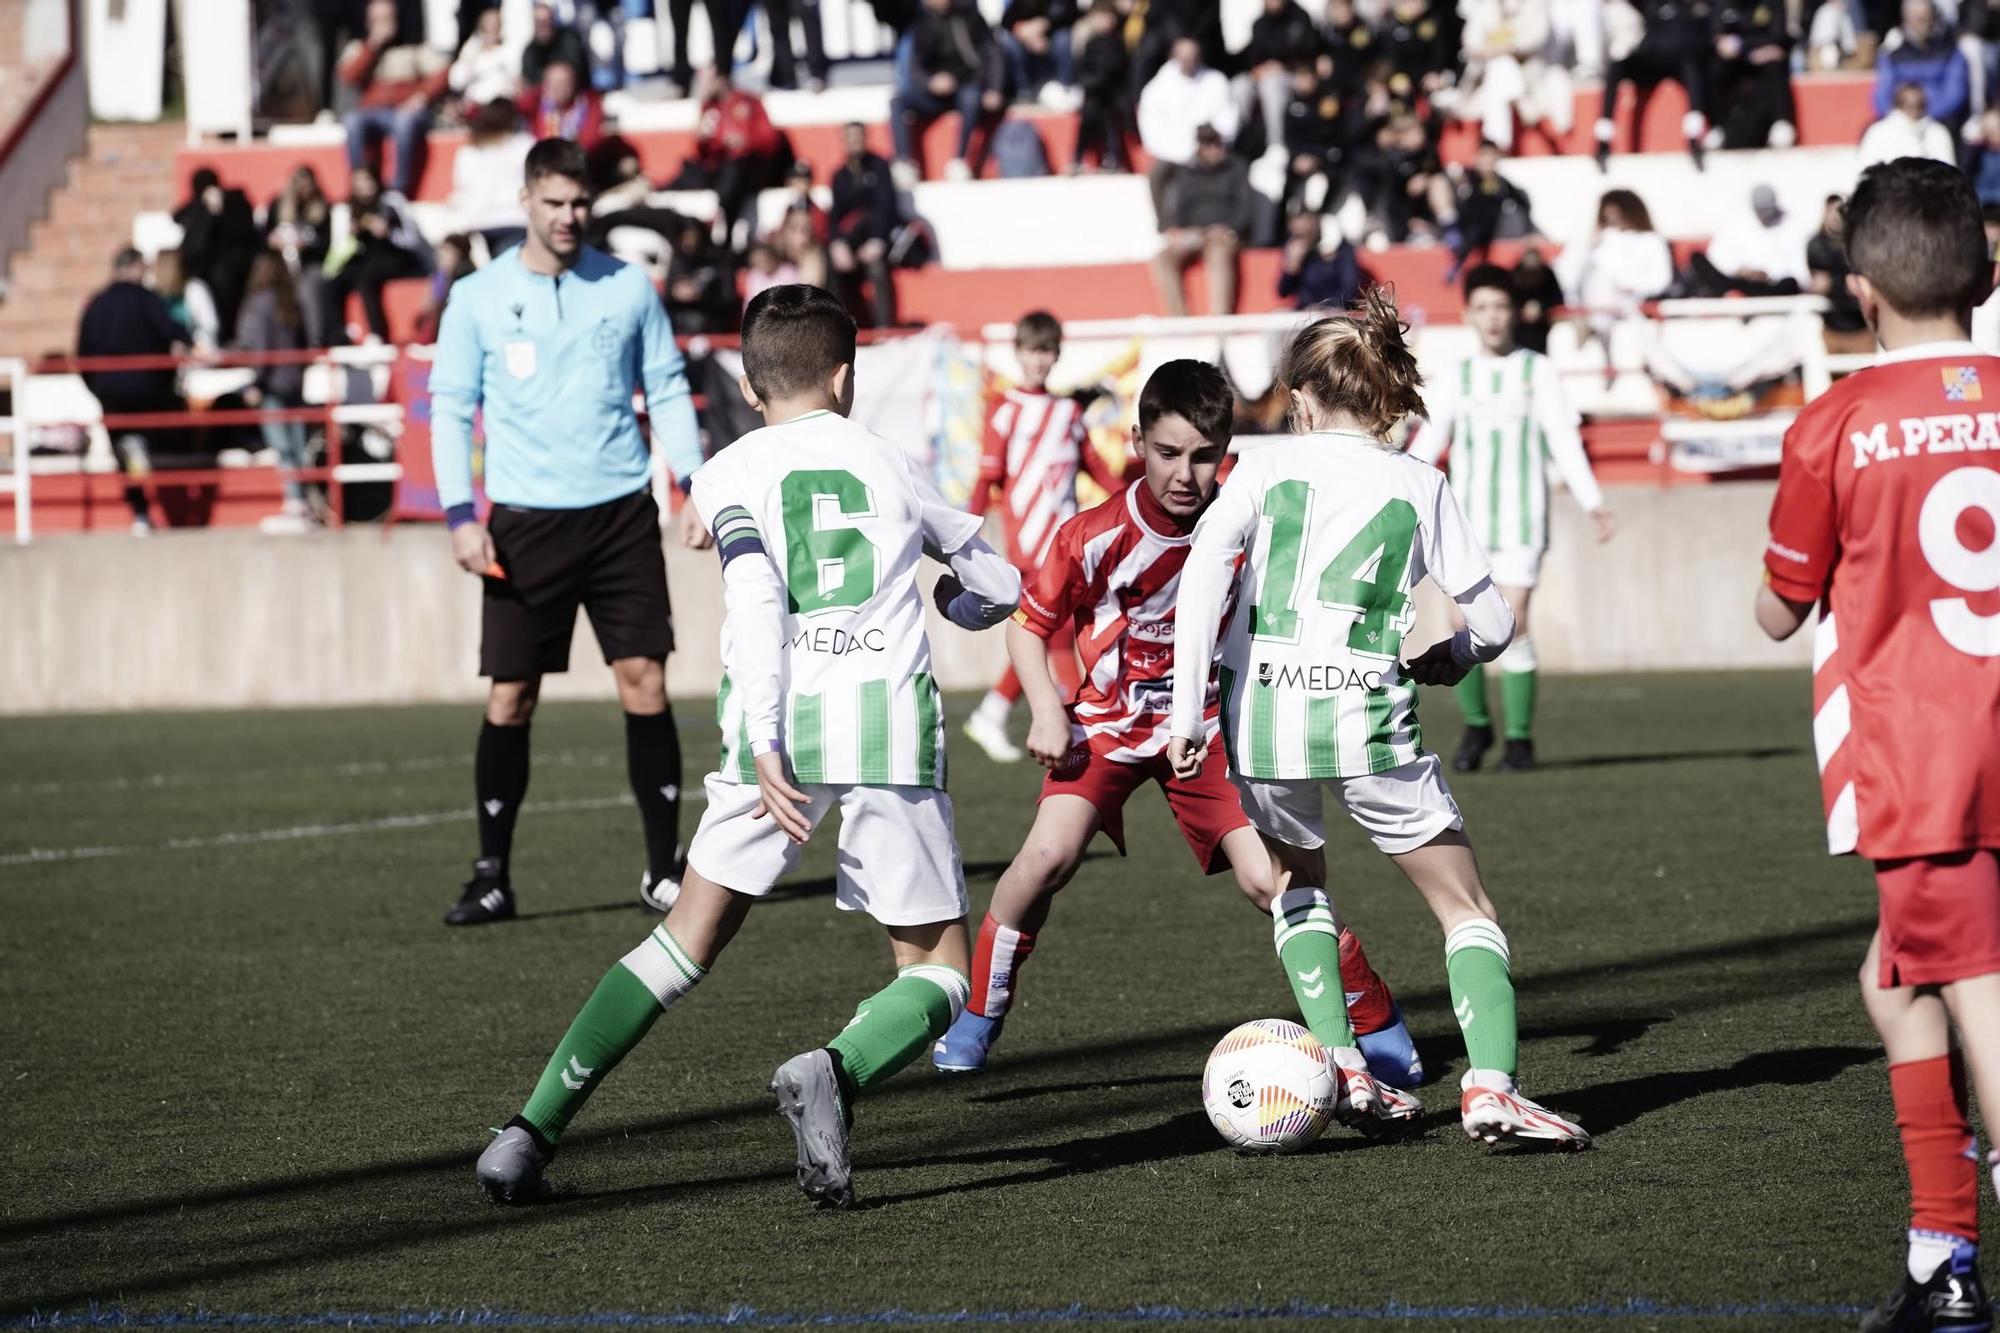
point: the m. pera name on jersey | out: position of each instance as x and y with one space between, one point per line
1958 432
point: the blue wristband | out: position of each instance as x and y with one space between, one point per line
457 516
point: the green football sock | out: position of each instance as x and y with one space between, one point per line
1471 694
1482 993
616 1017
898 1023
1517 697
1308 938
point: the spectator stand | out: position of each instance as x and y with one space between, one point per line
60 455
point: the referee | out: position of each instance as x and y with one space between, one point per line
551 338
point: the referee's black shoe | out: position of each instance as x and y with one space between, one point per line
1518 757
488 897
1472 748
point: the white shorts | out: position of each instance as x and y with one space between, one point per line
1516 567
1399 810
898 857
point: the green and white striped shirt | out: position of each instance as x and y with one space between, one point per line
1333 531
1504 419
824 651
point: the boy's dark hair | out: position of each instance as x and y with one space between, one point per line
794 337
1913 229
1989 213
557 157
1488 275
1040 330
1194 391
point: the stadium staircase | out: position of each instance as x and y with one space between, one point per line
124 171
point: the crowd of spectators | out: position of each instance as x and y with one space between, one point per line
1319 135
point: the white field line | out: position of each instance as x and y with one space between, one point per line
356 769
296 832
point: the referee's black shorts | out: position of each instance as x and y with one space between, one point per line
606 559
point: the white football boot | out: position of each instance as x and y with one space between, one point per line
990 735
1493 1109
1363 1101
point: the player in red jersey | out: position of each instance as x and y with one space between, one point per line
1886 514
1035 446
1112 576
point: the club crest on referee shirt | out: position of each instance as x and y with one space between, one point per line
520 358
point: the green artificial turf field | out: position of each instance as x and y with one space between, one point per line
246 1071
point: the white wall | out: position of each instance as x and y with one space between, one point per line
234 619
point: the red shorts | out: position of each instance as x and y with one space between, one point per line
1940 918
1206 807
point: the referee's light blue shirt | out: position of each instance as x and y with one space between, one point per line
554 362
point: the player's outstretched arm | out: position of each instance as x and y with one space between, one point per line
981 590
1489 628
1219 538
753 608
1780 617
1049 729
1562 435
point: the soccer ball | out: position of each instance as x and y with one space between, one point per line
1267 1087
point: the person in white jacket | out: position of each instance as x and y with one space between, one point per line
1907 131
1506 44
1184 96
486 70
1623 263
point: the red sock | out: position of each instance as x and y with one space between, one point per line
1372 1009
1937 1145
996 962
1009 686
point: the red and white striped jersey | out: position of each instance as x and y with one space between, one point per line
1115 573
1035 445
1888 516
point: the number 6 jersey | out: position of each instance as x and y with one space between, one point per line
844 519
1887 504
1338 528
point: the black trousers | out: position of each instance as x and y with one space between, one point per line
784 66
1651 64
1102 124
366 274
725 19
1749 99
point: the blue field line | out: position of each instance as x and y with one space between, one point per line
748 1316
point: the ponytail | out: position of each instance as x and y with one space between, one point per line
1356 364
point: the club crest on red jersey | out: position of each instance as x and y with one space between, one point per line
1961 384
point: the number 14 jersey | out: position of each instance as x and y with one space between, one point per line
1338 530
1886 514
845 519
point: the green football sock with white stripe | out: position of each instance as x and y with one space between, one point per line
898 1023
1518 671
1482 993
616 1017
1307 934
1471 694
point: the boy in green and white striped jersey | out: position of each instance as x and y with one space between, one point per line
1330 532
1503 416
827 700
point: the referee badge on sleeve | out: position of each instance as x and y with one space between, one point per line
520 356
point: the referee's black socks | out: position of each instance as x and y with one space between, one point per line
653 757
499 781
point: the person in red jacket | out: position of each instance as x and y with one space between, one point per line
738 149
563 109
395 84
